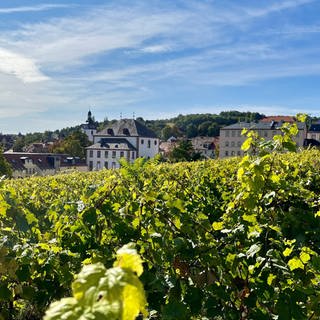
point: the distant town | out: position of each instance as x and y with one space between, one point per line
95 146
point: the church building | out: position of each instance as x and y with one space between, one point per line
126 138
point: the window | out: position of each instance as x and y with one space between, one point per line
142 141
90 165
239 143
106 164
233 133
227 153
232 143
121 154
227 144
238 153
232 153
132 155
155 142
98 154
98 165
227 133
91 154
116 146
239 133
114 153
149 144
126 131
113 165
106 154
110 131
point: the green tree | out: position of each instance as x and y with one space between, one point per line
5 168
19 144
191 130
170 130
184 152
73 145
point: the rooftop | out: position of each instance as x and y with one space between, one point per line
113 143
289 119
271 125
128 127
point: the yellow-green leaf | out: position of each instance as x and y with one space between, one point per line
305 257
217 226
270 279
128 258
247 144
287 252
295 263
250 218
134 301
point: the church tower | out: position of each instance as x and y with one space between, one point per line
90 127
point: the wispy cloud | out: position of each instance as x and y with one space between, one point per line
156 49
276 7
121 54
41 7
19 66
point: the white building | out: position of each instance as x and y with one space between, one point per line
127 139
231 139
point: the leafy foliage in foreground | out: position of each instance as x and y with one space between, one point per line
116 293
232 239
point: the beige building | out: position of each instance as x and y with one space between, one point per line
231 139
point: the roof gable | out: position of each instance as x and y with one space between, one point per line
127 127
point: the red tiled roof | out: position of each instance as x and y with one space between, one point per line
278 119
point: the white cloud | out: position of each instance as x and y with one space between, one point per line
275 7
41 7
114 57
156 49
19 66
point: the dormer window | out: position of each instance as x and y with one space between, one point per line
126 131
110 131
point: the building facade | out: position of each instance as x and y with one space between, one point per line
314 132
231 138
127 138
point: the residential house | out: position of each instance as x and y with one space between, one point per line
126 138
206 146
41 164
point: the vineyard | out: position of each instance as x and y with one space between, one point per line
232 239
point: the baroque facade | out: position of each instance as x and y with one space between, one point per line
126 138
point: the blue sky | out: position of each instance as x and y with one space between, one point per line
155 58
